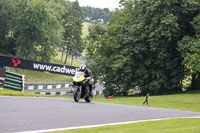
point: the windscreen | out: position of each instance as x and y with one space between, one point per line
78 74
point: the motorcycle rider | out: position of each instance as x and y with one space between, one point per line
88 75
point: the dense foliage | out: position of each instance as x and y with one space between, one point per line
139 48
190 50
34 29
91 14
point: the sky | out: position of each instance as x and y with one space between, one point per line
111 4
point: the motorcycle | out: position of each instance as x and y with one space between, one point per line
81 87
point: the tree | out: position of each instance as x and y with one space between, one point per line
37 29
139 47
93 46
31 29
144 51
102 53
6 34
95 14
190 50
72 35
34 29
157 31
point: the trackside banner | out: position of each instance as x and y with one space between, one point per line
37 66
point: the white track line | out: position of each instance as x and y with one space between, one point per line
100 125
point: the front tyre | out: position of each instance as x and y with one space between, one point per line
77 94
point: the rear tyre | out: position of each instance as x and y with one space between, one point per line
88 99
77 94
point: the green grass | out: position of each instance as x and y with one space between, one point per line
36 76
26 94
57 60
189 101
85 31
18 93
186 125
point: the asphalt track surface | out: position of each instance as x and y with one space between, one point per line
20 114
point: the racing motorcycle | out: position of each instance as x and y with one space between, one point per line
81 87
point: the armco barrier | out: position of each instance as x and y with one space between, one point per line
13 81
63 92
46 85
54 93
50 88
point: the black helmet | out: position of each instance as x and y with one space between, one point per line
82 68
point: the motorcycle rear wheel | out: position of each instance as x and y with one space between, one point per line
77 94
88 99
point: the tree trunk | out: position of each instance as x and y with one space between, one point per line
62 56
66 56
18 52
195 82
72 60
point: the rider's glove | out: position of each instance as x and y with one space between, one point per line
89 78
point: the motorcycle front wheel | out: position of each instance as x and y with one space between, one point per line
77 94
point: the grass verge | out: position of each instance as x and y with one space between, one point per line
57 60
181 125
25 94
37 76
189 101
85 31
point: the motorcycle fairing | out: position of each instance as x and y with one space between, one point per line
79 76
